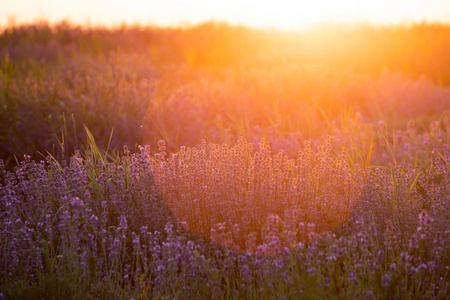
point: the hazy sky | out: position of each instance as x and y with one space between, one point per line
279 13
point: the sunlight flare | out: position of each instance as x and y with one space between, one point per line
282 14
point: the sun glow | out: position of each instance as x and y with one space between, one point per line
282 14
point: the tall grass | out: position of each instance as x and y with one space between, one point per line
144 84
260 177
224 223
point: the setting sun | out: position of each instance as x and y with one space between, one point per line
283 14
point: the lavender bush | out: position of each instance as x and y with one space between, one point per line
127 229
258 178
148 84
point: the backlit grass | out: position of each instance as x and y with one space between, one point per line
268 169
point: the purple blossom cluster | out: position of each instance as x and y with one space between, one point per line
297 181
112 224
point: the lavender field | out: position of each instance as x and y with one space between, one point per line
224 162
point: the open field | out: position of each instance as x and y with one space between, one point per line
224 162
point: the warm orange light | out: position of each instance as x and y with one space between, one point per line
282 14
285 14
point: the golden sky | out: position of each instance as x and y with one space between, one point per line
285 14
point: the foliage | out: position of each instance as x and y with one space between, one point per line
270 169
213 81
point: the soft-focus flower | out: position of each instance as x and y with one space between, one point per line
386 280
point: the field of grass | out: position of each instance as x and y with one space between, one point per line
224 162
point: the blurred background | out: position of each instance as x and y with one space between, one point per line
282 14
220 71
